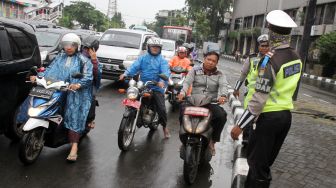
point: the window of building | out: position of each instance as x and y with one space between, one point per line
258 21
21 45
330 13
319 14
247 22
237 23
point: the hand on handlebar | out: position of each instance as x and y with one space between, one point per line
221 100
236 93
160 84
121 77
32 78
180 97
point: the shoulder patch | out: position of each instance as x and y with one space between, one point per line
291 70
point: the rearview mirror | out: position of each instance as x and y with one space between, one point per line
77 75
163 77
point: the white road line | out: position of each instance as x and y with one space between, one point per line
324 101
307 95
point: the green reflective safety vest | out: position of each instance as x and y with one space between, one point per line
281 95
251 79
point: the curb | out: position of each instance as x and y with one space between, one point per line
240 166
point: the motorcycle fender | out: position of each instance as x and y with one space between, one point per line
33 123
129 112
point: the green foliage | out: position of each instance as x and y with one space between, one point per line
233 35
327 45
214 12
86 15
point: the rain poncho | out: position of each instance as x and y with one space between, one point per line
149 68
78 103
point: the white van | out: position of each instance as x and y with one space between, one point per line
168 49
119 48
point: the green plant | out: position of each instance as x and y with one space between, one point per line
327 45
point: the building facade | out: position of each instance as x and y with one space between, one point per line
248 22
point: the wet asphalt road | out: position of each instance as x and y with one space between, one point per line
151 162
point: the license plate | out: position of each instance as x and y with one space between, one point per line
41 92
111 67
132 103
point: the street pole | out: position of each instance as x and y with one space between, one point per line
264 22
309 22
305 42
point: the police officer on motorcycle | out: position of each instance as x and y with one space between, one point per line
278 75
150 66
208 80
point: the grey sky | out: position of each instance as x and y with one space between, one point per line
136 11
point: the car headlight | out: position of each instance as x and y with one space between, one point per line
33 112
43 55
131 57
132 93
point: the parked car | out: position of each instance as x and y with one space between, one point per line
119 48
19 52
168 49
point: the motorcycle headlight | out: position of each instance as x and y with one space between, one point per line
131 57
33 112
132 93
140 84
170 82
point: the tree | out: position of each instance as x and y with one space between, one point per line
326 44
214 12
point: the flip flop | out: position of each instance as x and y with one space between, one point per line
92 125
72 158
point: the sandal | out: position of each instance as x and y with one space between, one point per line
166 133
72 158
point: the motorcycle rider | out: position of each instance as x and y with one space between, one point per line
65 64
277 80
181 59
89 48
150 66
208 80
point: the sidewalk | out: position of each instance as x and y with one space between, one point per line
308 155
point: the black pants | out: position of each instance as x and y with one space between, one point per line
264 145
159 101
218 119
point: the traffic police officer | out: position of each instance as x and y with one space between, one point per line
249 75
277 79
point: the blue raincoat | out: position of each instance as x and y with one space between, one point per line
78 103
150 67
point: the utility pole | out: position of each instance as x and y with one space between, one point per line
309 22
305 42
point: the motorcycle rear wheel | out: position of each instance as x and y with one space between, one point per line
190 165
30 146
125 134
155 123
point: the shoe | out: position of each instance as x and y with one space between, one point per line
72 158
92 125
166 133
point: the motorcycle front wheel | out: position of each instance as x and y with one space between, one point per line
190 165
31 145
125 133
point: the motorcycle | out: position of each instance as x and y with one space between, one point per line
175 84
195 134
45 124
139 111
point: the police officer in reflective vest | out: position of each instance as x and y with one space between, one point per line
277 79
249 75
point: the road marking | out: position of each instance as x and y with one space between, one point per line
324 101
307 95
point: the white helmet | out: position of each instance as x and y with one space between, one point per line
154 41
181 49
262 38
280 18
71 38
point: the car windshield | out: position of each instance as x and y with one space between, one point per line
47 39
168 46
121 39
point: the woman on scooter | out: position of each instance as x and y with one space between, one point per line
208 80
64 67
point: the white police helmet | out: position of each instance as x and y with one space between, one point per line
262 38
71 38
280 18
